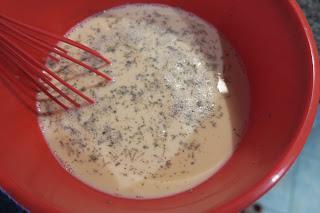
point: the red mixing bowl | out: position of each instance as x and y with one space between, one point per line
275 43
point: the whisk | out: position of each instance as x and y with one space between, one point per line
17 38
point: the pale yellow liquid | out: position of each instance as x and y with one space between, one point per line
171 118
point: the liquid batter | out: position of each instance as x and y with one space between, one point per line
172 116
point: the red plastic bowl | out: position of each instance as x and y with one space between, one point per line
275 42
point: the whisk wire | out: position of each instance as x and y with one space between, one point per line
16 36
36 66
38 85
32 72
51 35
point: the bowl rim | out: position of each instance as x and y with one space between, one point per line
274 175
299 139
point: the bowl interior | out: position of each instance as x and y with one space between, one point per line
273 45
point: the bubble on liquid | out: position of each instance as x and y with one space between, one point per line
67 167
